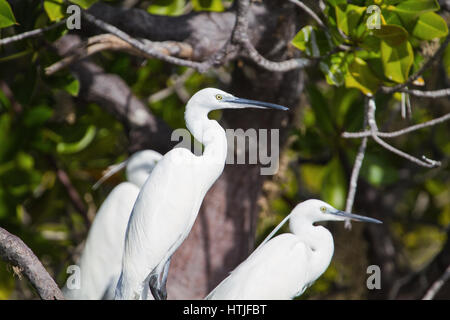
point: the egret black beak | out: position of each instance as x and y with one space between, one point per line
355 216
254 103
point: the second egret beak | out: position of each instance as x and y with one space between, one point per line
254 103
352 216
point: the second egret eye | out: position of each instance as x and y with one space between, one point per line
218 97
323 209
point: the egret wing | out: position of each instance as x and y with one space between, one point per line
101 259
277 270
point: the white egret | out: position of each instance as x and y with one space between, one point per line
283 267
170 199
101 260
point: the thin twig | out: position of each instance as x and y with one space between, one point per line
177 84
29 34
111 42
146 48
355 172
428 163
428 94
398 132
437 285
311 13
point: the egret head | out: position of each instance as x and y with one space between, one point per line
140 165
213 99
317 210
138 168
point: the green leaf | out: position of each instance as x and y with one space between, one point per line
335 3
360 76
334 184
349 18
410 10
334 68
314 42
417 6
73 87
24 161
54 9
6 15
207 5
430 26
397 60
37 115
166 7
85 4
392 34
84 142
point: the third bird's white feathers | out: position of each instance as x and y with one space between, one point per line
101 260
283 267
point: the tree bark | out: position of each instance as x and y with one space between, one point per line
223 235
17 253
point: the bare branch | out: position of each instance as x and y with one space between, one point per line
428 163
399 132
176 86
428 94
111 42
311 13
16 252
29 34
240 36
148 48
72 192
437 285
355 173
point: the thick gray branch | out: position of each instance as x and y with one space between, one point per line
16 252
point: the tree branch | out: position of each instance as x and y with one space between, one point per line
111 42
311 13
428 94
29 34
355 172
428 163
437 285
148 48
16 252
398 132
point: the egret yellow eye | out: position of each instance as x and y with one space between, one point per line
218 97
323 209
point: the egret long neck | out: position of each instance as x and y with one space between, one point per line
319 240
210 134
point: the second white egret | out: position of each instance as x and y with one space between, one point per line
283 267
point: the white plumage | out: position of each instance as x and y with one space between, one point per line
101 260
169 201
283 267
